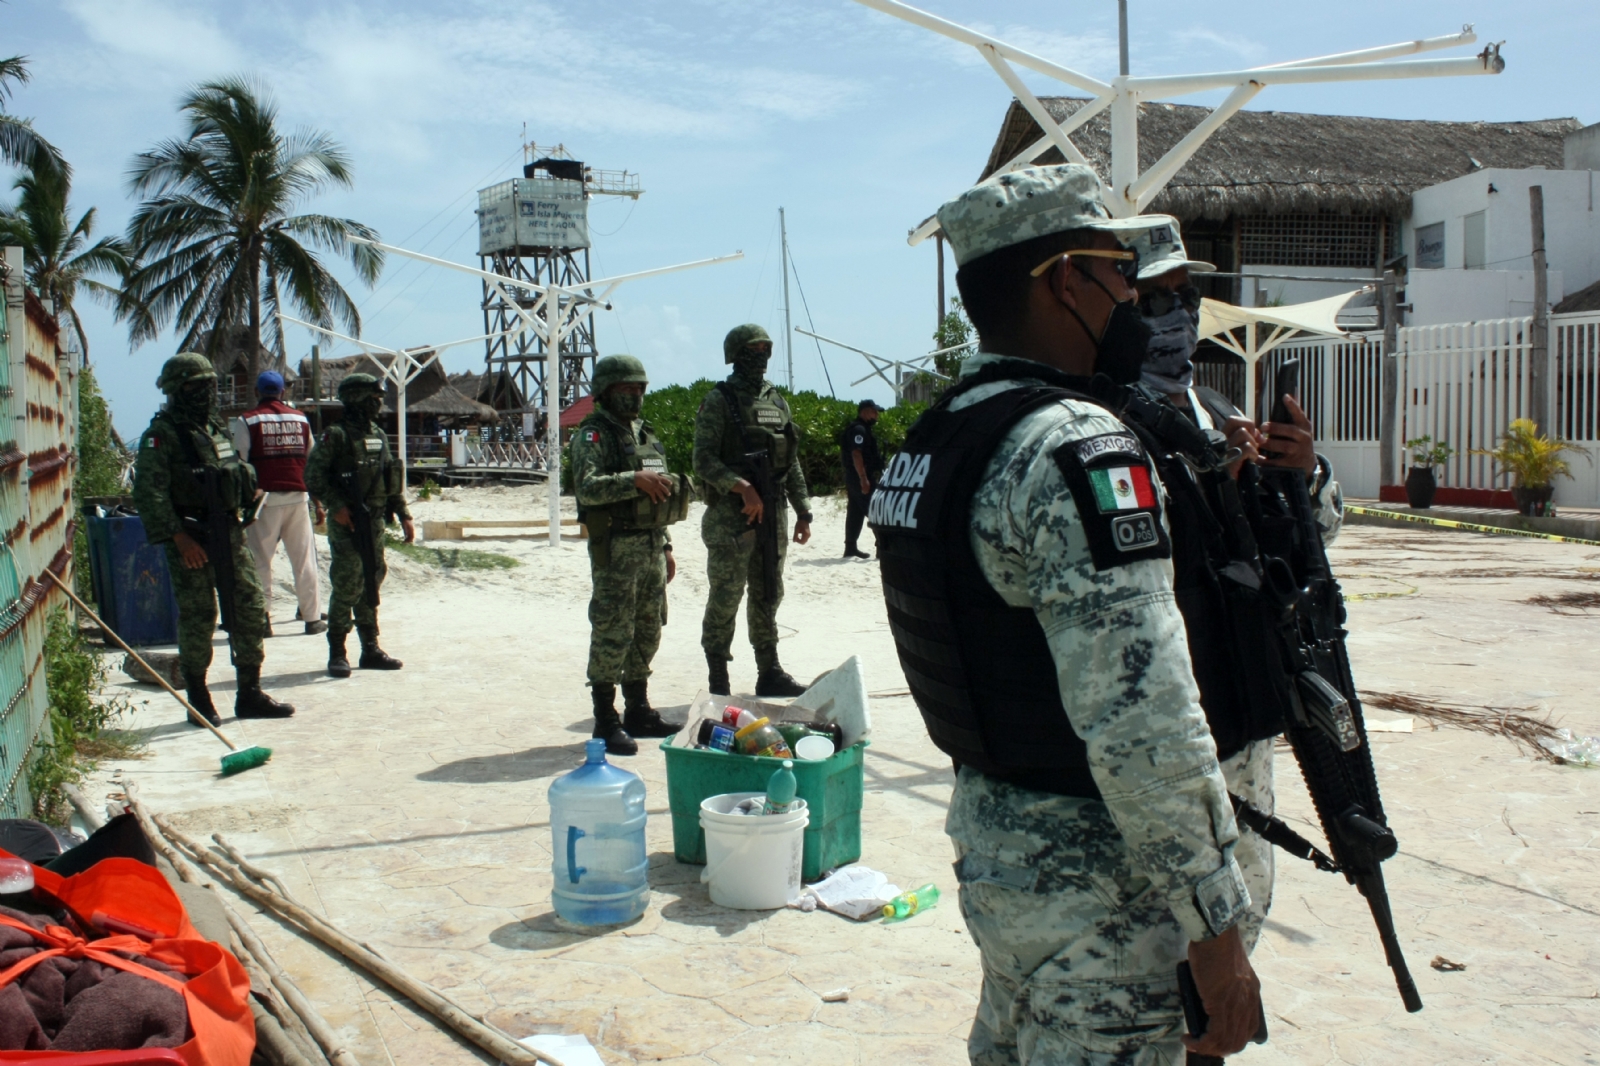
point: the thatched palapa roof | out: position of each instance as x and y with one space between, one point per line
1282 162
430 392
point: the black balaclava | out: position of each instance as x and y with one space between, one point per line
1121 348
360 411
750 368
195 402
625 405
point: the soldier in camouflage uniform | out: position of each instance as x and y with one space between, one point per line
746 414
627 500
1095 848
351 466
186 441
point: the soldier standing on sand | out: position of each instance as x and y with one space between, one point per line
627 500
744 416
350 469
185 447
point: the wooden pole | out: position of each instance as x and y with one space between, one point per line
1539 339
316 384
1389 423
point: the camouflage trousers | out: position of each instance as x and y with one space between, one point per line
1249 776
733 564
627 607
1079 951
347 598
196 593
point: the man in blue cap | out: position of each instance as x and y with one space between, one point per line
276 439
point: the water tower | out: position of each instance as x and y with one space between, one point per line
536 228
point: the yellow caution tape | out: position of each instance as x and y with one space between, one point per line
1470 527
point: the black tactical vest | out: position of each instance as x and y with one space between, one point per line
1233 603
979 669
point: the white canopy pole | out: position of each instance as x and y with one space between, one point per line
559 321
1129 191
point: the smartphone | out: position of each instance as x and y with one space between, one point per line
1194 1011
1285 382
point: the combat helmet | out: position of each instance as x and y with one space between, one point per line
182 369
618 370
355 386
739 337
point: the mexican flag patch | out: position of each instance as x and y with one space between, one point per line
1122 488
591 436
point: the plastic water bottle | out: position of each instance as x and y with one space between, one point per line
597 826
780 790
908 903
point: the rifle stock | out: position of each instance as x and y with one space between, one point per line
216 536
361 523
760 465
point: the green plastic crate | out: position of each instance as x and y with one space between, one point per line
831 788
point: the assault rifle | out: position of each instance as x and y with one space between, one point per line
1323 723
1326 729
759 465
361 523
215 534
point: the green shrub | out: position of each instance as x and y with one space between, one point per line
75 677
450 558
820 420
101 462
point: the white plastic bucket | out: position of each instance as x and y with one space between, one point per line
752 861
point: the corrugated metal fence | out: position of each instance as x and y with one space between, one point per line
38 429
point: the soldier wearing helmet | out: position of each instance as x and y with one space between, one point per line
187 481
352 473
627 499
745 417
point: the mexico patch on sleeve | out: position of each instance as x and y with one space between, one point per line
1117 498
591 436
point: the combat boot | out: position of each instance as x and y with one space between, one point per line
717 667
372 656
607 726
338 660
200 697
771 678
639 718
251 702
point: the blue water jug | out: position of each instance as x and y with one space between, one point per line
597 824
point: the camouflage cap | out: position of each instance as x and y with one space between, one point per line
618 370
1019 205
1161 250
740 337
182 369
356 384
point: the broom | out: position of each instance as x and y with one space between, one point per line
236 761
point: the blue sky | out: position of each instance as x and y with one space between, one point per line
857 124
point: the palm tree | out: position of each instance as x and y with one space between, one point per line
20 144
57 251
215 239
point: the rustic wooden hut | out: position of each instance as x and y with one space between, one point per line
237 366
433 404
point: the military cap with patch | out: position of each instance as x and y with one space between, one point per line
1019 205
1161 250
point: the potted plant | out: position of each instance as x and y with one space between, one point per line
1534 462
1420 482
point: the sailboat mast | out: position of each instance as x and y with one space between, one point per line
788 328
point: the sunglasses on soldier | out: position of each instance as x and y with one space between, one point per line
1126 260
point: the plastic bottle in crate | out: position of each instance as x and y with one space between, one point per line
597 821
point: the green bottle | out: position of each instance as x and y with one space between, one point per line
908 903
780 790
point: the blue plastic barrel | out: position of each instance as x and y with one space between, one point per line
597 831
131 584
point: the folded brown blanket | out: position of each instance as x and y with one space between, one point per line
65 1004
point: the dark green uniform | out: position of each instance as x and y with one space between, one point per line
628 541
188 480
362 449
169 493
745 414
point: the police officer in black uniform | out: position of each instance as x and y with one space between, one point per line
858 449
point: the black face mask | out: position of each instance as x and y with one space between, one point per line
625 405
365 409
1121 348
751 363
194 402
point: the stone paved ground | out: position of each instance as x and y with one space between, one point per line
410 809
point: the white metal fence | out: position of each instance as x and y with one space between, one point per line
1341 390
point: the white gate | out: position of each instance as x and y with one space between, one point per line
1341 390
